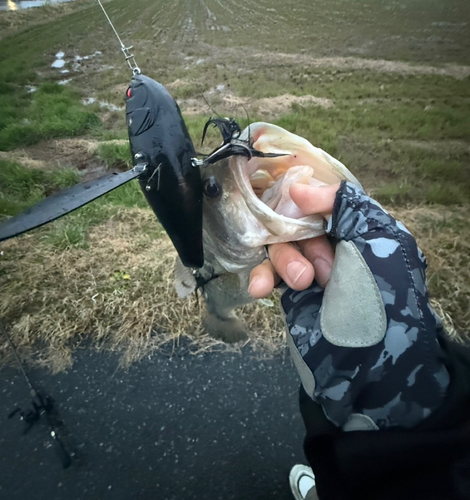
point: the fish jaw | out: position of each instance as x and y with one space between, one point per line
297 151
269 226
269 138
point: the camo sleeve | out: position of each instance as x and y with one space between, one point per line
401 379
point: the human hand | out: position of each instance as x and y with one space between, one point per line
298 265
364 337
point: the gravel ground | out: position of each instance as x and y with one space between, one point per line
180 426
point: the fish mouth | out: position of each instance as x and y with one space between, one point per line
265 181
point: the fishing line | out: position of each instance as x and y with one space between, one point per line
125 50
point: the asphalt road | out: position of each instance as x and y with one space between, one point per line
211 426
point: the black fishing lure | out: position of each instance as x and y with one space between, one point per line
163 156
170 182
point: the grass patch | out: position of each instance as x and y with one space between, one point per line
402 170
65 235
443 235
21 187
395 193
115 154
115 293
348 84
192 89
447 194
379 121
54 111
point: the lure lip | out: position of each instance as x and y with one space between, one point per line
65 201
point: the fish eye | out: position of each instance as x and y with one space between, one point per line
212 188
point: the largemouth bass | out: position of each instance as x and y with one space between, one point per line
246 207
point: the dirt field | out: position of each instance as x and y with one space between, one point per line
383 86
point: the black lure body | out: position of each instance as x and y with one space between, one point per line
171 184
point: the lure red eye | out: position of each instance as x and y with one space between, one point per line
129 92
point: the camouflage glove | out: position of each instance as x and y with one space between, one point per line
366 347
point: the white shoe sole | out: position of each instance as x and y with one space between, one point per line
294 477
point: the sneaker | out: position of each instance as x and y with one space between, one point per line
302 480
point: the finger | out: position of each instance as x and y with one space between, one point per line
263 278
291 265
314 200
320 253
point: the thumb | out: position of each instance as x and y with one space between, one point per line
314 200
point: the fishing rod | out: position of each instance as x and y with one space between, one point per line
42 404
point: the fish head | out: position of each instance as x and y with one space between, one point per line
246 200
246 206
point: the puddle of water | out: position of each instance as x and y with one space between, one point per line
58 63
103 104
6 5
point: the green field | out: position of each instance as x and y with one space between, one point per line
383 86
